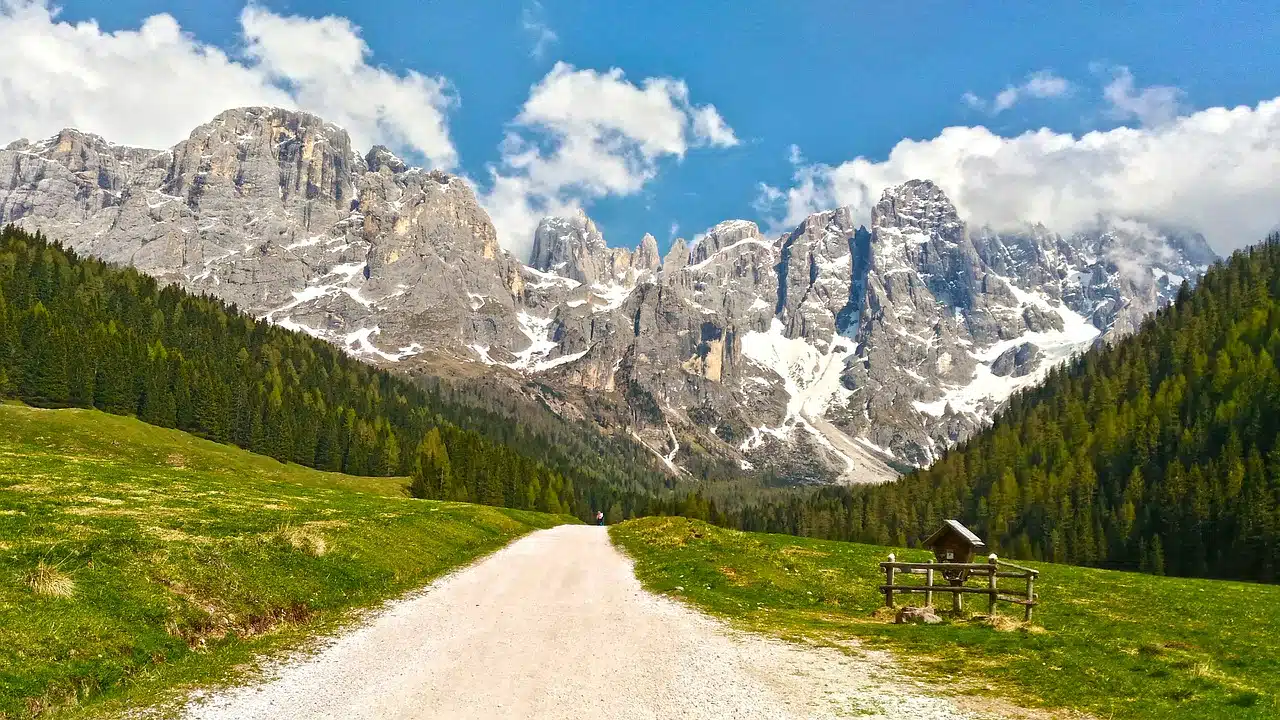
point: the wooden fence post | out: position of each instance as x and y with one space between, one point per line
928 583
888 589
1031 594
991 603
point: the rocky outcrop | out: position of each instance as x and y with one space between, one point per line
1016 361
833 352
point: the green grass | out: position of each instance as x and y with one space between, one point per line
1117 645
138 562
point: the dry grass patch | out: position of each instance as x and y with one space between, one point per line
332 524
96 511
175 535
104 501
302 539
47 580
803 552
1004 623
29 488
732 576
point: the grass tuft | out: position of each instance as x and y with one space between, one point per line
1004 623
49 581
302 539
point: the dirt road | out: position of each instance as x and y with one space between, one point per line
556 626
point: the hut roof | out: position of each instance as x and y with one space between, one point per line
956 527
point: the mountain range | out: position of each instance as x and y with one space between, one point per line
837 351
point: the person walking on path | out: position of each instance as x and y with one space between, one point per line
600 517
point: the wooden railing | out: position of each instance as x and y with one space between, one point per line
956 574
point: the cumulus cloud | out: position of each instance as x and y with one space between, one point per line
1152 105
150 86
533 20
1211 171
584 134
1041 84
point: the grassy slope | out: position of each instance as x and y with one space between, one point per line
1115 644
188 557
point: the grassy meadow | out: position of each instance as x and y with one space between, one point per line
1111 644
137 562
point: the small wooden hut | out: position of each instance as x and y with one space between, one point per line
954 543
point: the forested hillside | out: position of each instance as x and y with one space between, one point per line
1160 452
76 332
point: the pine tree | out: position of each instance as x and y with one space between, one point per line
44 375
432 472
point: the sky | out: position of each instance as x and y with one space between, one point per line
668 117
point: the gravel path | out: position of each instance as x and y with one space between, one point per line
556 626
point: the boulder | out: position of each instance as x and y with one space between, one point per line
1017 361
924 615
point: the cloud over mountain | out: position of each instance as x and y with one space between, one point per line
150 86
1211 171
583 135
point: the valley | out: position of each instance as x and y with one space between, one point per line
829 352
542 360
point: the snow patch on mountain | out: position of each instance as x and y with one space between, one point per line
986 391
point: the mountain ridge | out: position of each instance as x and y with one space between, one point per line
836 351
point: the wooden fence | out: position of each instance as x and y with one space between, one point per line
956 574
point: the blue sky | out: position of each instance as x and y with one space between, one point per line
838 80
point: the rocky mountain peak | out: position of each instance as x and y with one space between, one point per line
916 205
266 153
283 121
647 257
677 257
69 147
379 158
724 235
571 247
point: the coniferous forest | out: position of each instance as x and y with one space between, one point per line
76 332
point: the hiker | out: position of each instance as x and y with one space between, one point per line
600 517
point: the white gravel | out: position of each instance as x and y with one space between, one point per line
556 626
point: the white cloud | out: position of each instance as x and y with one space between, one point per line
323 61
1042 84
584 134
1005 99
710 128
533 20
1152 105
149 87
1212 171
